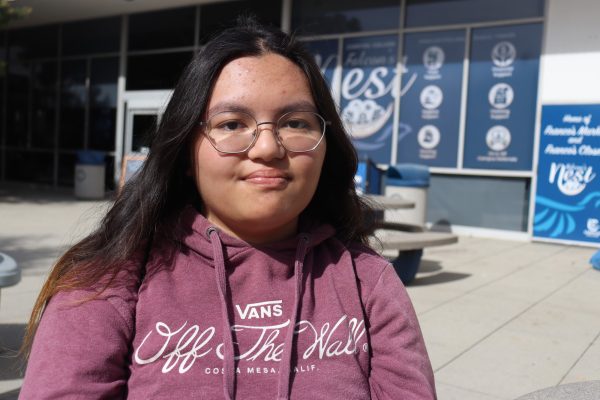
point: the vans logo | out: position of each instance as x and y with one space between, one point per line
265 309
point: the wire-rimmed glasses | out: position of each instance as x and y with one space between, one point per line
234 132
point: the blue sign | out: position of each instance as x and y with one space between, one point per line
326 56
501 105
367 94
567 202
368 177
430 102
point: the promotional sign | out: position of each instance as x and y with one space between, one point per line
367 94
326 56
431 91
567 202
501 105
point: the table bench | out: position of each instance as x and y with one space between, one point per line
407 239
10 273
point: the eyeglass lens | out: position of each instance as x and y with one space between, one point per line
234 132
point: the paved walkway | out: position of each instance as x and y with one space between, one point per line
500 318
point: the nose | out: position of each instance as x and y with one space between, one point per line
266 147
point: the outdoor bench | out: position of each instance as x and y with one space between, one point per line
409 241
10 274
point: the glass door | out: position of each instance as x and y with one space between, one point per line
140 125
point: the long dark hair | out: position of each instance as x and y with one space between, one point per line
152 201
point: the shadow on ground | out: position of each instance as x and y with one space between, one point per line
11 366
429 267
24 193
30 258
12 395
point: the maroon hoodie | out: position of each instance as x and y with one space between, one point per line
305 318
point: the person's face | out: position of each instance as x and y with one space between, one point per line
258 195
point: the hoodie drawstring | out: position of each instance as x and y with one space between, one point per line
228 352
285 365
283 384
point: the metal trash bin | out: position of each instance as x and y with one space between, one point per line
410 181
89 175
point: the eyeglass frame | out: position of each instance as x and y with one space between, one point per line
275 130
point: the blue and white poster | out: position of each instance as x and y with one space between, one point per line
367 94
326 56
501 105
567 201
430 102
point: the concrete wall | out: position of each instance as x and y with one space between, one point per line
571 54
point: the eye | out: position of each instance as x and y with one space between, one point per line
296 124
232 126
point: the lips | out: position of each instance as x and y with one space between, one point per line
268 178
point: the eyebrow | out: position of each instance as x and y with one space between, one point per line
233 106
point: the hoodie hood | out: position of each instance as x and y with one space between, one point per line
195 237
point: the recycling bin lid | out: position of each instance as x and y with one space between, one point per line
90 157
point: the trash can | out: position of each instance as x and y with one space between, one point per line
89 175
409 181
368 177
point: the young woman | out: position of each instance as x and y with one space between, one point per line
235 264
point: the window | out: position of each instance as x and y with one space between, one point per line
73 99
41 42
338 16
162 29
17 118
94 36
29 166
44 104
103 103
447 12
215 17
486 202
155 71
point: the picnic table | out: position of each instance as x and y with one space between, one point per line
10 274
408 240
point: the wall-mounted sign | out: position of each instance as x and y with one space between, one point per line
326 56
567 202
501 105
430 103
367 94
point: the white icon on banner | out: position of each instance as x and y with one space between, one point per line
504 54
364 118
433 58
571 179
501 95
429 137
431 97
498 138
593 228
593 225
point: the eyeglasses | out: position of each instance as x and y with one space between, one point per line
236 132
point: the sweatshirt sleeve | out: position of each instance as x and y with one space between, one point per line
80 350
400 366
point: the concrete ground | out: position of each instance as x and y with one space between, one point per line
500 318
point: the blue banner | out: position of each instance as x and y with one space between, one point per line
501 105
326 56
430 102
567 202
367 94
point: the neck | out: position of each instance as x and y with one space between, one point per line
256 233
